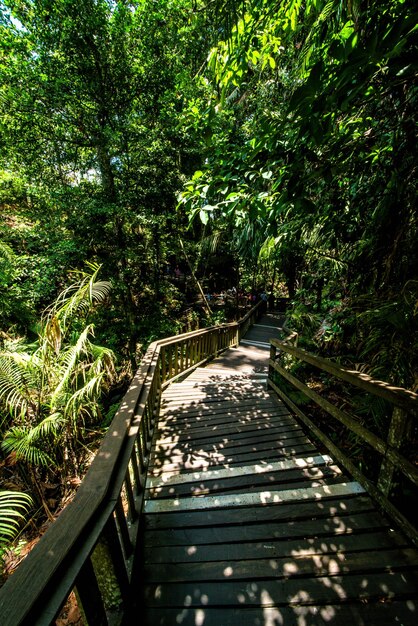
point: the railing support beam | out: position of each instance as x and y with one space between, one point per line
89 594
399 428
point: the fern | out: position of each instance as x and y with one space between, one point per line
69 361
23 442
79 297
13 507
15 383
57 385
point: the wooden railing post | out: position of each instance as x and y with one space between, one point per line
163 364
398 430
113 545
110 569
273 353
88 592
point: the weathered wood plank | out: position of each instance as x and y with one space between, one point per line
295 566
258 468
342 515
241 484
246 402
360 614
252 422
227 432
274 548
273 435
232 443
276 436
218 387
377 586
197 460
217 393
229 396
254 499
249 407
209 418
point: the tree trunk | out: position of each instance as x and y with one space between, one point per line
110 192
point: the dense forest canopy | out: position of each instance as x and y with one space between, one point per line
316 164
258 144
92 145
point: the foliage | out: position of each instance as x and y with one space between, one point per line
313 153
13 506
288 131
50 392
94 109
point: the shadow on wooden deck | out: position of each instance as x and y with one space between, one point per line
248 523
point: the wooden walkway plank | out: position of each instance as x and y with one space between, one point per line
274 548
300 564
275 439
249 470
227 434
261 498
290 446
242 485
248 405
360 614
339 516
260 422
379 586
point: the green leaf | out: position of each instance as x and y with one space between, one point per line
13 506
204 217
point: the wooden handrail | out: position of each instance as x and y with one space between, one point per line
405 404
107 507
399 396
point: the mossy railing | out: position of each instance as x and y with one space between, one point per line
403 420
90 547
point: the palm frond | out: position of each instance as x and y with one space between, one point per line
19 440
13 507
84 397
6 252
210 244
53 334
104 361
69 359
309 44
79 297
48 427
15 383
386 330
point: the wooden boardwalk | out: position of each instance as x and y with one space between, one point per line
248 523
